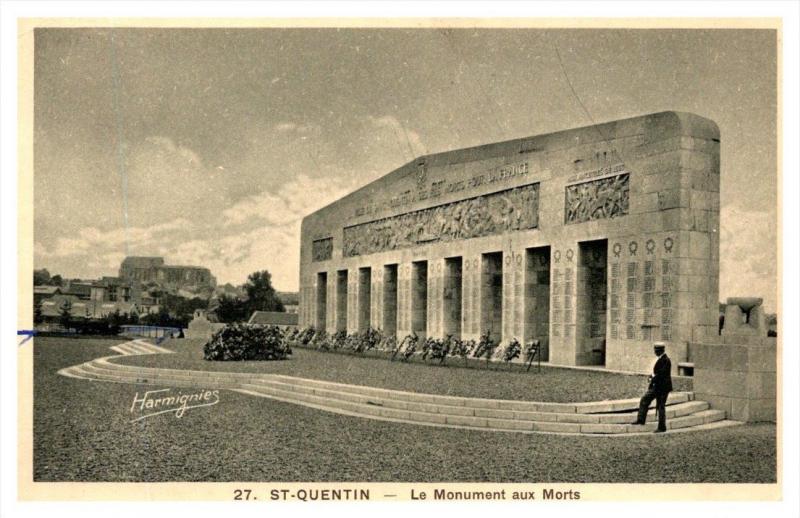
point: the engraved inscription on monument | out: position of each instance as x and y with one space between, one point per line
503 211
322 249
597 199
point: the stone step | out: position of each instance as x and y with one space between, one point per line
675 410
514 405
153 375
160 372
684 415
523 406
91 369
481 423
592 418
155 348
138 349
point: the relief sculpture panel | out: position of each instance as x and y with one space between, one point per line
322 249
503 211
597 199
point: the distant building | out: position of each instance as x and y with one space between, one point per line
52 306
148 302
111 289
89 309
41 293
80 288
153 270
273 318
96 299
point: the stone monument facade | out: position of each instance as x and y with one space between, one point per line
597 241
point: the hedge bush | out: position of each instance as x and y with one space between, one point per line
240 342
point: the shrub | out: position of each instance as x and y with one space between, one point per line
240 342
388 343
512 351
362 341
338 339
426 348
290 337
407 347
320 340
439 349
299 337
462 348
372 338
352 343
531 349
486 347
411 346
306 335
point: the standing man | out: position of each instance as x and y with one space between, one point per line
659 388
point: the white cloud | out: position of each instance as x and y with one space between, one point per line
92 241
283 127
747 267
288 127
289 203
168 147
166 181
185 211
233 257
394 130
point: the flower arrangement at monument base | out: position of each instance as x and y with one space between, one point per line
240 342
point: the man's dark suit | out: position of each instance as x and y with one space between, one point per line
659 389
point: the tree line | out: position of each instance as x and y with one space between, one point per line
260 295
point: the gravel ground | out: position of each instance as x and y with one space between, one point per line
549 384
82 432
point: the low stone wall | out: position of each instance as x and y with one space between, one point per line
202 329
738 376
638 358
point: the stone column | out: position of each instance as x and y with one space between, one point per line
390 299
562 304
376 298
403 300
470 297
330 313
512 295
452 296
435 306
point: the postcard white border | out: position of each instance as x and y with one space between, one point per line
12 11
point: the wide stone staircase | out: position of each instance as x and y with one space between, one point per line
608 418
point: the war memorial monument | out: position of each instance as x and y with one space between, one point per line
596 241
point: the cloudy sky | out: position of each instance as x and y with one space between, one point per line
208 146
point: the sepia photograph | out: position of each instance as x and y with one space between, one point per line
521 257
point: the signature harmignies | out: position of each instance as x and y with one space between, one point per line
156 402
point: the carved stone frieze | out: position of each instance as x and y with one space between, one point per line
495 213
322 249
597 199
